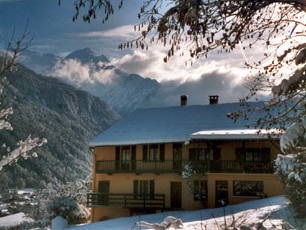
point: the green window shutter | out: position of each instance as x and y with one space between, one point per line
152 188
133 152
117 163
240 154
145 152
192 154
267 154
117 153
162 152
135 187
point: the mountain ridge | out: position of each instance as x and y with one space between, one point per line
67 117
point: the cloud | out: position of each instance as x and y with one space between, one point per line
124 32
199 90
82 75
150 64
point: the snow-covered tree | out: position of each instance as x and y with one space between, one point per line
64 199
24 147
292 165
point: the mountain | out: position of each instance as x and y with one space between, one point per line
67 117
95 74
126 92
41 63
86 56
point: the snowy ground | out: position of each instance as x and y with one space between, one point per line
276 208
14 219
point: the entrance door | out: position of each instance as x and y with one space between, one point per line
176 195
103 188
177 156
221 193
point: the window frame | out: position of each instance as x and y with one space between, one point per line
253 154
198 194
157 156
257 193
141 188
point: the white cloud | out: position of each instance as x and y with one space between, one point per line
150 64
125 32
81 75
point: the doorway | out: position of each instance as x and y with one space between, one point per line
176 195
103 189
221 193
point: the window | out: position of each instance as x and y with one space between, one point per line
125 153
253 154
200 190
154 152
198 154
248 188
177 151
204 154
125 157
144 189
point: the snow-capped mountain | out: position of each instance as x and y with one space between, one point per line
93 73
41 63
67 117
86 56
126 92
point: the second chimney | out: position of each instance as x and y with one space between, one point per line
213 99
184 100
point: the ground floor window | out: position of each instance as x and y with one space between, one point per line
200 190
248 188
144 189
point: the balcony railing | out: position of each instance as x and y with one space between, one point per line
126 200
172 166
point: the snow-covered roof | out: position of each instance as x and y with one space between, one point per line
172 124
236 134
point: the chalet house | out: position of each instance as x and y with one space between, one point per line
180 158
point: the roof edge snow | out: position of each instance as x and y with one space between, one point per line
236 134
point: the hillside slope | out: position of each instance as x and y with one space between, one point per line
67 117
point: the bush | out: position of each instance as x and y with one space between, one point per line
69 209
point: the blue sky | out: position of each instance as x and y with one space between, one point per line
54 32
52 28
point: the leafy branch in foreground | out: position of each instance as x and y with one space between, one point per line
8 59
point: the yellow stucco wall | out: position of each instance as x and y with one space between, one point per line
123 182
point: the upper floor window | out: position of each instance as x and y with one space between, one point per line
126 153
248 188
154 152
198 154
253 154
204 154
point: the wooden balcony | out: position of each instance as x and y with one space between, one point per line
126 200
170 166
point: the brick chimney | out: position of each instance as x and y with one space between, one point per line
213 99
184 100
